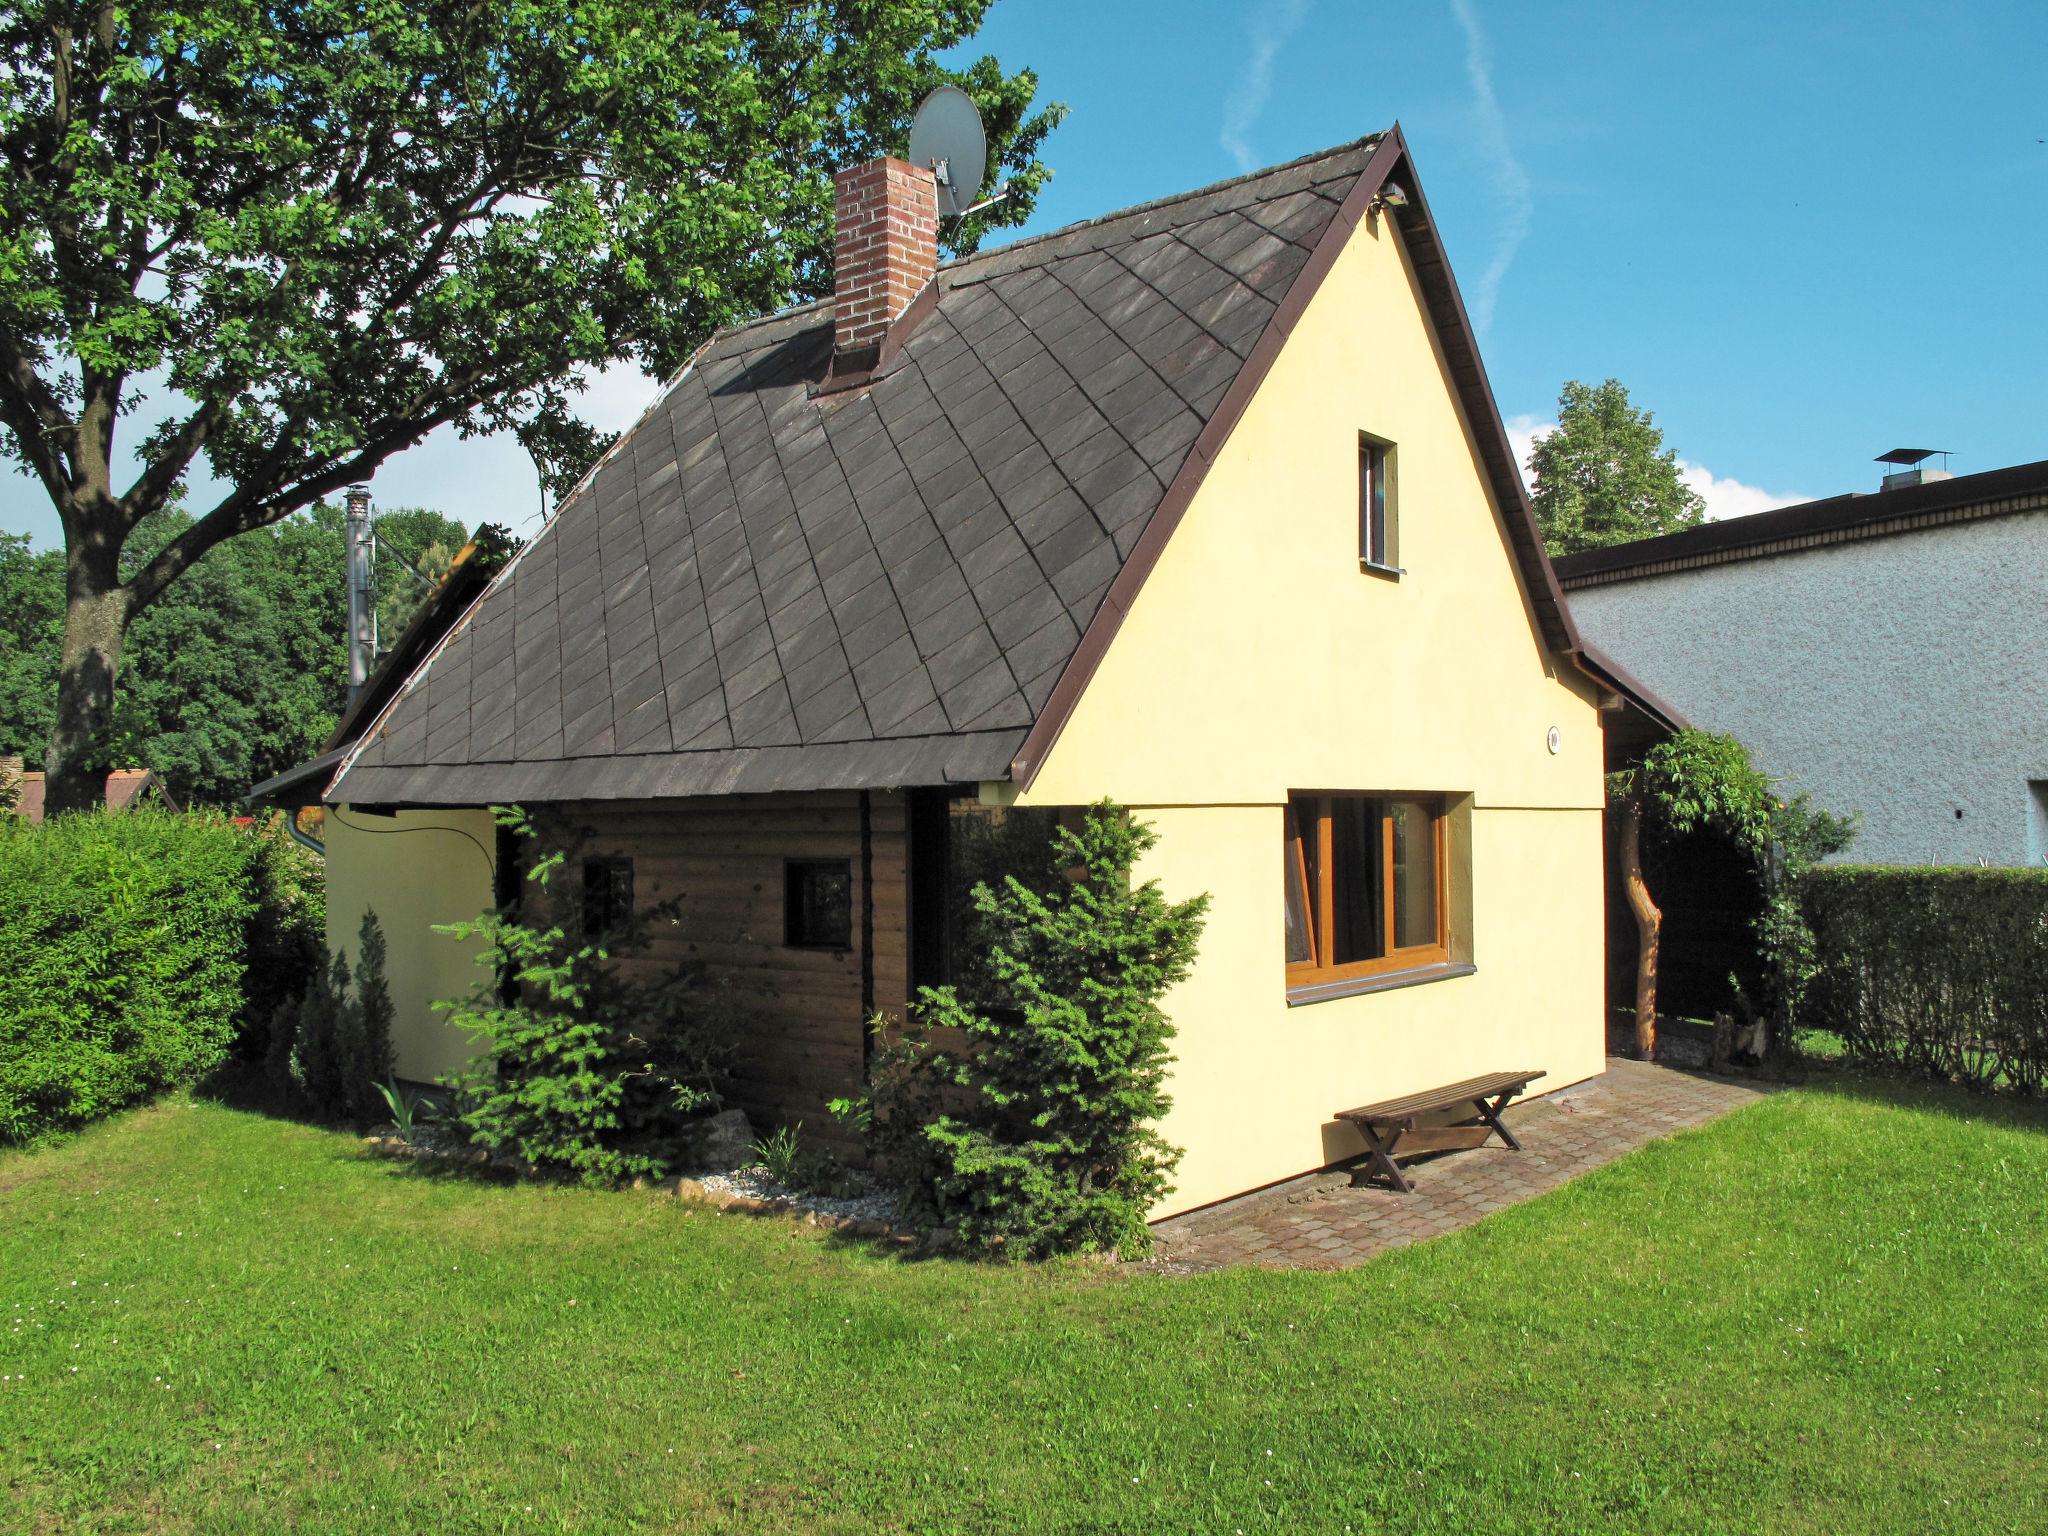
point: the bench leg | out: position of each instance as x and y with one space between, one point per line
1490 1113
1380 1156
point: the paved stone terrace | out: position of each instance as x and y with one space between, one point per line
1319 1221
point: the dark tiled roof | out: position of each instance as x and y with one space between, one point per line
1833 520
767 588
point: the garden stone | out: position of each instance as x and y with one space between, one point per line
688 1189
724 1142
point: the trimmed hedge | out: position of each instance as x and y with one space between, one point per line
124 940
1943 972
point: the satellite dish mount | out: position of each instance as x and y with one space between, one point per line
947 139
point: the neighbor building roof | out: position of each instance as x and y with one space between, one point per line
766 586
124 787
1811 524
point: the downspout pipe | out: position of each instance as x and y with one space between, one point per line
303 838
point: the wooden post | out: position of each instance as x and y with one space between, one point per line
1649 922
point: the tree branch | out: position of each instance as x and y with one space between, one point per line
36 417
241 513
153 486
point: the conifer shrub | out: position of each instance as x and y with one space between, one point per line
332 1049
579 1068
1026 1119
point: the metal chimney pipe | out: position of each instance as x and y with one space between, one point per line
362 593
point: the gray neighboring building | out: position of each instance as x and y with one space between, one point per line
1886 653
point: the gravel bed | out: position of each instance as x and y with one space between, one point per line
873 1203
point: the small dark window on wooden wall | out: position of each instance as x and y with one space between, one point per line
817 908
607 897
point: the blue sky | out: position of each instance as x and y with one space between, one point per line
1800 234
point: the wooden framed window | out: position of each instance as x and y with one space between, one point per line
1366 885
607 897
1376 507
817 908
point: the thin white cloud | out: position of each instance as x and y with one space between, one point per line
1510 181
1724 495
1729 497
1270 27
1523 431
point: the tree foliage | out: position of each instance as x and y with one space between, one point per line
1698 781
419 537
31 639
332 1049
1039 1135
1604 476
321 229
239 671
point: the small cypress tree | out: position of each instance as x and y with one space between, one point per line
373 993
340 1034
1041 1135
319 1068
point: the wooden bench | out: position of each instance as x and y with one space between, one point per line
1412 1124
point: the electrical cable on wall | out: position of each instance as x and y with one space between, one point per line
490 863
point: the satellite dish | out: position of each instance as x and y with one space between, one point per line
947 139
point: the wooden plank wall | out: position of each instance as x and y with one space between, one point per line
801 1009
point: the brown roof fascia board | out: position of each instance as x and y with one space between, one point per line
1604 669
1482 412
413 676
1454 327
1194 469
464 580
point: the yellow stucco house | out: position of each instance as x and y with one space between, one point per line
1204 506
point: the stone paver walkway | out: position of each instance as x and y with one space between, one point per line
1319 1221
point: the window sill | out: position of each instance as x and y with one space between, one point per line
1385 981
1386 572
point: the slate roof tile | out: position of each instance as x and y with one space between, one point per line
757 566
765 720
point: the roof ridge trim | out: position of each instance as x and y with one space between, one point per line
1153 205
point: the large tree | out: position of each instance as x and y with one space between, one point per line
293 237
1604 476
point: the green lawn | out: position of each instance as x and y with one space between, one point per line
1825 1313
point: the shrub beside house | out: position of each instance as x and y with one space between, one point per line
136 949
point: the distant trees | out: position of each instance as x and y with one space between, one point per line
31 641
1604 476
239 671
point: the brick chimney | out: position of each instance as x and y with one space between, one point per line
884 250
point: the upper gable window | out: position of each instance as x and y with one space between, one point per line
1376 507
